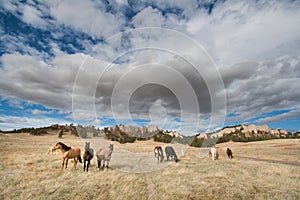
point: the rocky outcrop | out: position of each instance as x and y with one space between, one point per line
136 131
173 134
249 129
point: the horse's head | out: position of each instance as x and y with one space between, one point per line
228 150
61 146
111 146
87 145
57 146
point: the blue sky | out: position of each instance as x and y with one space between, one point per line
190 66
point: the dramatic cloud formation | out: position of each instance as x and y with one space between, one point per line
199 63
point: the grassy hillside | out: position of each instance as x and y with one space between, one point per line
27 172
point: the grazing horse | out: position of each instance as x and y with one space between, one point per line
213 153
158 152
87 156
229 153
67 153
104 155
170 152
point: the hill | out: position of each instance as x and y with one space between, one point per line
129 134
246 133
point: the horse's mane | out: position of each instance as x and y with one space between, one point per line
64 147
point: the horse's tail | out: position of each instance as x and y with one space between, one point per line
79 159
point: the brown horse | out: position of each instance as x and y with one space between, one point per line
67 153
229 153
87 156
158 152
104 155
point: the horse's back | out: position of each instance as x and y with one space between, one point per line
74 152
213 150
170 150
101 153
104 154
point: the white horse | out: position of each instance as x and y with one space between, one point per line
104 155
213 153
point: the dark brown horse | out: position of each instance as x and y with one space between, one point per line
87 156
67 153
229 153
158 152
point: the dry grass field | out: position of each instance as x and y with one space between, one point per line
260 170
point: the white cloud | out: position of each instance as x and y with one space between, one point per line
40 112
148 17
9 5
15 103
15 122
33 16
85 17
284 116
32 80
246 30
272 85
17 43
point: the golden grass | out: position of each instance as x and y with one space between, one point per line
27 172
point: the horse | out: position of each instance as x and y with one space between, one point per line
170 152
104 155
158 152
213 153
67 153
229 153
87 156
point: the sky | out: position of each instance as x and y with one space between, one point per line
191 66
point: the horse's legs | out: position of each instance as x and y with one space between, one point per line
107 163
99 164
63 163
84 165
75 162
67 159
87 166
